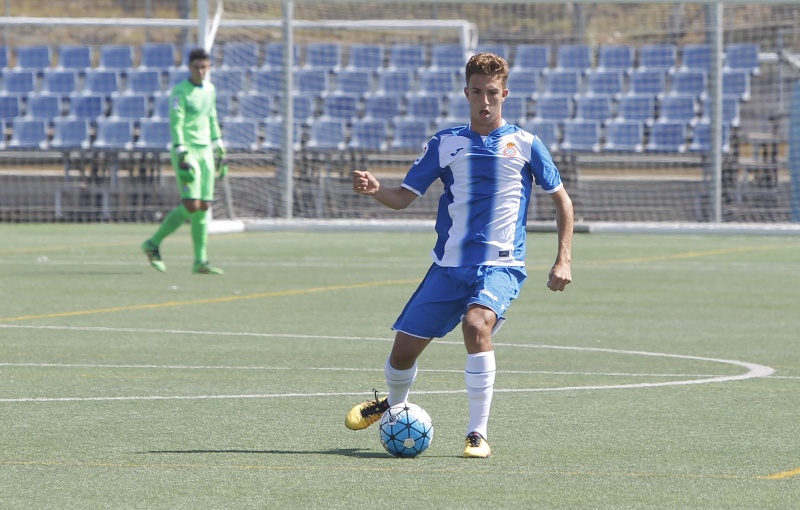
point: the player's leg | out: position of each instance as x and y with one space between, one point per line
205 157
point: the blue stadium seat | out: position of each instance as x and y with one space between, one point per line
410 134
627 136
498 49
28 134
175 76
667 137
102 82
456 110
340 107
678 108
116 57
10 107
3 58
425 108
75 57
265 81
523 82
553 107
736 83
650 82
43 108
157 57
114 135
742 57
241 135
605 83
515 109
593 108
18 83
436 81
639 108
160 108
324 56
70 135
86 107
397 82
129 107
59 83
154 135
696 56
534 57
615 57
689 82
34 58
273 135
224 106
354 81
327 134
254 106
239 55
581 136
563 82
574 57
368 57
273 55
303 107
228 80
406 56
369 135
730 111
382 107
447 57
701 138
658 57
312 81
144 81
546 130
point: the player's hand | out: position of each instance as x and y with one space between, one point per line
186 167
364 183
222 169
560 276
220 152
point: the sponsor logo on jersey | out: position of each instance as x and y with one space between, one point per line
422 154
457 151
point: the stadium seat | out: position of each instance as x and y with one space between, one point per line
410 134
18 83
157 57
457 110
563 82
639 108
498 49
101 82
615 57
742 57
650 82
115 57
369 135
696 57
382 107
689 82
730 111
154 135
678 108
406 56
438 82
736 83
367 57
701 138
224 106
34 58
160 108
327 134
581 136
241 135
667 137
174 77
75 57
553 107
324 56
354 81
70 135
3 58
59 83
605 83
129 107
86 107
265 81
303 107
28 134
626 136
311 81
593 108
534 57
515 109
114 135
447 57
273 135
523 82
574 57
546 130
658 57
397 82
43 108
239 55
254 106
340 107
144 81
10 107
426 108
273 56
228 80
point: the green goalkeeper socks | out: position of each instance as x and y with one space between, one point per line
200 235
172 222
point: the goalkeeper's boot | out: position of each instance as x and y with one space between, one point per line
365 414
153 256
205 268
477 447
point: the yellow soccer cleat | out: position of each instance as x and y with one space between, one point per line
365 414
477 447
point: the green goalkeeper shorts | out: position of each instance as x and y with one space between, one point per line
202 188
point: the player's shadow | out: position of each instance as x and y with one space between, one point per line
344 452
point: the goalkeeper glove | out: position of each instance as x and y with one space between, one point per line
186 166
219 158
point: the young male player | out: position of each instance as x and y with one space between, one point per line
488 169
196 141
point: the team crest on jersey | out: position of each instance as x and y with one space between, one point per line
422 154
510 150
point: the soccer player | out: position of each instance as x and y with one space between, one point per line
196 142
488 169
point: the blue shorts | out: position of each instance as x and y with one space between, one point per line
442 299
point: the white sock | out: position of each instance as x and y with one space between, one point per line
479 375
399 382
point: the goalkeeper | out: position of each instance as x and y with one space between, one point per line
196 144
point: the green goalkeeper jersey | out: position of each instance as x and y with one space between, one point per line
193 114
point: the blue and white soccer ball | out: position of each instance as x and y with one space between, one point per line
405 430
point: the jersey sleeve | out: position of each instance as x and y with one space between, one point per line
544 169
177 116
425 170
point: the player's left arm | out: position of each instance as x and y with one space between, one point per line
220 151
561 273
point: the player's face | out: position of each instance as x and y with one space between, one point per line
199 69
485 95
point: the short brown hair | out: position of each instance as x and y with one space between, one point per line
487 64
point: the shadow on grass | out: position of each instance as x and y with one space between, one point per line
344 452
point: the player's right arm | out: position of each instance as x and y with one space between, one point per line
177 118
394 197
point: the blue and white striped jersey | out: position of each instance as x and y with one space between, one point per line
487 187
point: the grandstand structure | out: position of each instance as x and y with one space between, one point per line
644 123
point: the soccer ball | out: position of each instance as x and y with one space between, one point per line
405 430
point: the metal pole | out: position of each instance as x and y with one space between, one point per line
715 99
202 22
287 151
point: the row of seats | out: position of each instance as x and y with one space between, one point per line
375 57
363 134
